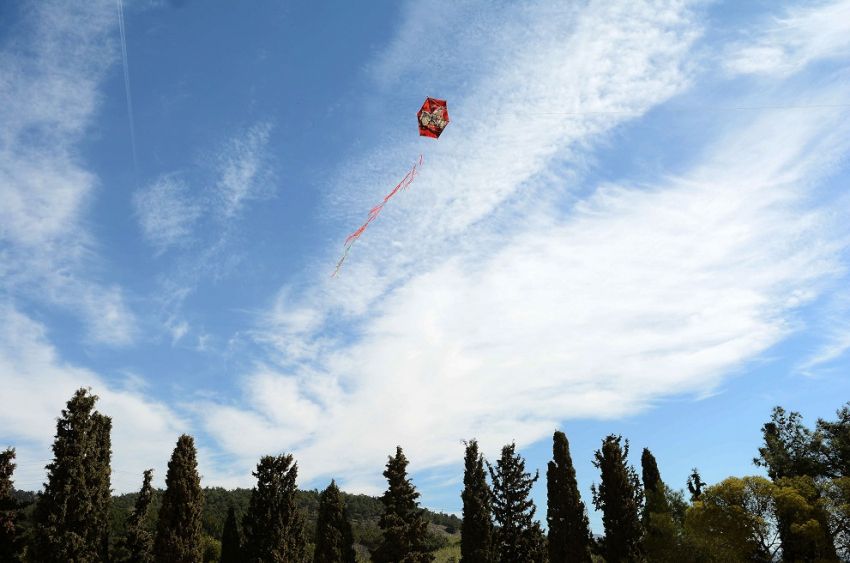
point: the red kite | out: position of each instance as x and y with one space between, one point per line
433 117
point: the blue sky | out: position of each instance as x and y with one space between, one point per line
635 224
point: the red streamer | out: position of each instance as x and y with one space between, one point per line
375 211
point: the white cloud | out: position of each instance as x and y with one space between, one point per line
484 303
49 73
166 213
805 34
37 384
244 174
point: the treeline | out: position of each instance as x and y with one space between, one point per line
801 512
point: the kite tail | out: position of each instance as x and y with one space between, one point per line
375 211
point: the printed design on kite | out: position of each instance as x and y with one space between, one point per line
375 211
433 117
433 120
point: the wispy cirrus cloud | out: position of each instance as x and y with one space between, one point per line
506 293
786 44
51 69
166 212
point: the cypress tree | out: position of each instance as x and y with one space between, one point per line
334 540
569 527
619 498
99 475
9 542
517 538
71 511
138 541
273 527
476 528
178 531
663 533
653 486
231 541
403 524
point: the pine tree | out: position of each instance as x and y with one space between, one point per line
569 527
403 524
517 536
619 497
334 540
231 541
791 451
138 541
695 485
178 531
273 527
476 528
9 541
70 514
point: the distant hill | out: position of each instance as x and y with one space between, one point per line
363 510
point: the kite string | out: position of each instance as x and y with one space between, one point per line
375 211
127 85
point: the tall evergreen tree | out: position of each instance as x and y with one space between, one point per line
178 531
138 541
569 528
517 537
9 541
476 529
273 527
231 540
334 540
99 484
619 497
403 524
653 486
70 512
663 533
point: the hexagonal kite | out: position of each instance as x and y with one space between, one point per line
433 118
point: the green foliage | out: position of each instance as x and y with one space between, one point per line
477 527
178 533
790 449
72 512
517 536
801 507
231 540
836 498
137 543
9 540
403 524
211 549
334 540
569 528
619 497
273 527
834 439
735 521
